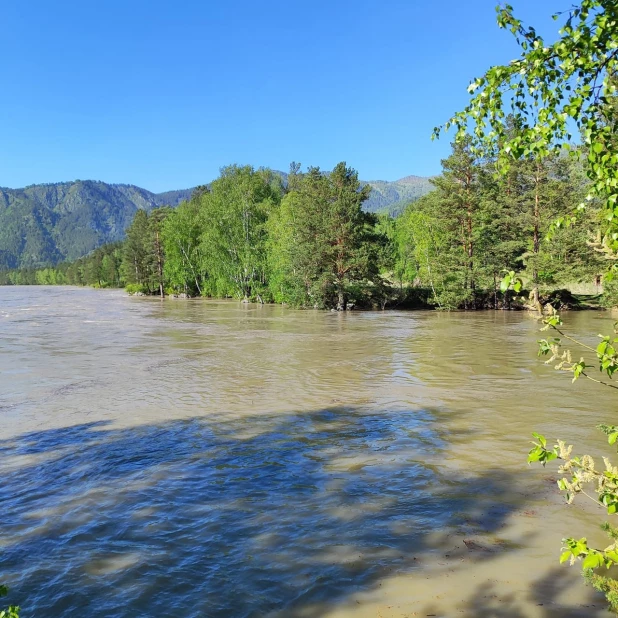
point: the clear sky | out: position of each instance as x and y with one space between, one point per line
161 94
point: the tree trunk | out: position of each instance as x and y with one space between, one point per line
341 302
536 241
470 250
159 263
470 241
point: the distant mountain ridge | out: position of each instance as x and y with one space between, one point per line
392 197
49 223
46 224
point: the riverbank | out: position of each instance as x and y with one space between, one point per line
410 298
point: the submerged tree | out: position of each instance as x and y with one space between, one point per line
156 221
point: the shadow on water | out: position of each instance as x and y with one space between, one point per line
291 513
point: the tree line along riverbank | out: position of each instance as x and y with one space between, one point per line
309 243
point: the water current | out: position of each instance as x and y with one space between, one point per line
203 458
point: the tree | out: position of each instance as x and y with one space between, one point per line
143 252
323 245
581 471
288 279
545 89
110 265
93 269
424 249
155 226
450 235
460 192
233 222
544 190
404 264
136 261
184 263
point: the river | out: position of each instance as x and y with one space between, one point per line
206 458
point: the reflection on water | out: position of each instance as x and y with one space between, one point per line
218 459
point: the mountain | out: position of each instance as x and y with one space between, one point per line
43 224
49 223
392 197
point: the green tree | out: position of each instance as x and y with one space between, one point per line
323 248
184 264
550 86
156 222
233 221
545 89
460 193
288 283
423 247
404 262
93 268
137 260
143 259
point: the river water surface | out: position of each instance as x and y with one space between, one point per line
201 458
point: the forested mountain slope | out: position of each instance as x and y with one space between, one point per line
392 197
43 224
49 223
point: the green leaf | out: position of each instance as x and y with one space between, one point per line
505 284
540 438
593 560
597 147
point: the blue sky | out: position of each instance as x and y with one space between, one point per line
161 94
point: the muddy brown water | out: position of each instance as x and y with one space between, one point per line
202 458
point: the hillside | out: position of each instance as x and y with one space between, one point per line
44 224
392 197
49 223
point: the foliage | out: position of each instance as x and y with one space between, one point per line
184 264
581 472
143 259
323 244
10 612
47 224
522 115
549 88
606 353
312 243
461 238
233 217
